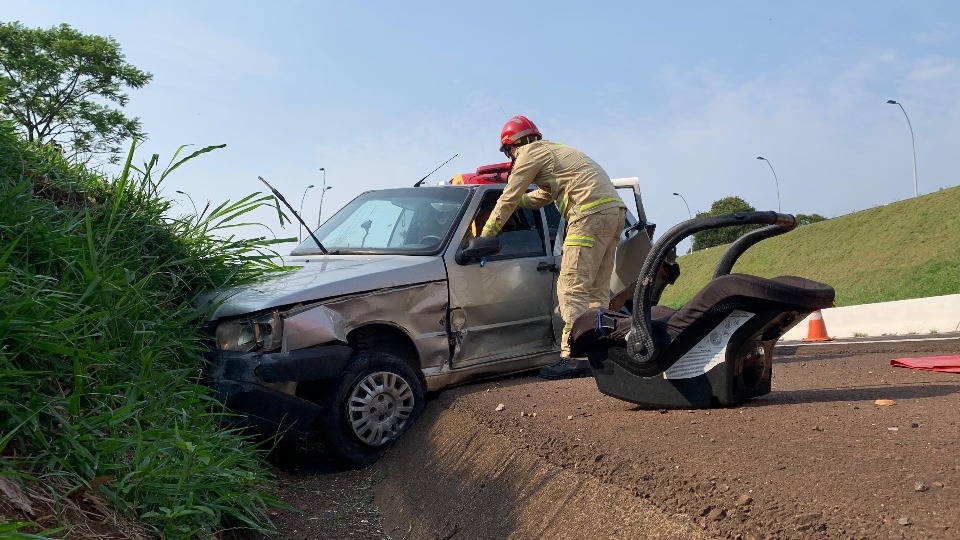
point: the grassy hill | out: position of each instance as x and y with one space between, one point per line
101 410
907 249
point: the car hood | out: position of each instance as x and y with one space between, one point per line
325 277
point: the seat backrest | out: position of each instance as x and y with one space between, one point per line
631 252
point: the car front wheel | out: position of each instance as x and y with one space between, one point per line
376 400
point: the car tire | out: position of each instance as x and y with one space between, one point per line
376 400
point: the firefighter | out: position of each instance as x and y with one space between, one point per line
586 197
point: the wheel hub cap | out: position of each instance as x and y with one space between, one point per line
378 407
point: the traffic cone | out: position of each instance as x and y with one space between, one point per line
817 330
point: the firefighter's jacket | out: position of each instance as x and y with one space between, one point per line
563 175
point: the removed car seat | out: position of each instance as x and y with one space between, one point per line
716 350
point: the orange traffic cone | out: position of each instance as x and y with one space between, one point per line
817 330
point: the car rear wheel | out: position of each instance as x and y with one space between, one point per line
376 400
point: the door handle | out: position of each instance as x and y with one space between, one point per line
545 267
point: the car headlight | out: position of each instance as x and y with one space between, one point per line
264 332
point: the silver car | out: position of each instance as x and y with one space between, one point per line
345 347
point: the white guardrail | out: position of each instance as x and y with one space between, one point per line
934 315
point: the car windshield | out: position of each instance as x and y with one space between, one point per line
392 221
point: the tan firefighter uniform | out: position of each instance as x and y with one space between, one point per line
586 197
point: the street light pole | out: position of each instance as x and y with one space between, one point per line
322 193
913 143
685 204
300 233
774 179
689 215
191 200
321 202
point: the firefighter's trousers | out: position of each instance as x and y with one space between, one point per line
589 249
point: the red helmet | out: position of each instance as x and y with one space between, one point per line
516 129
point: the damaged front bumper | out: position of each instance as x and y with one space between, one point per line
253 385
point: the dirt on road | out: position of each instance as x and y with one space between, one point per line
845 446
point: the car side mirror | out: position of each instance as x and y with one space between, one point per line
477 247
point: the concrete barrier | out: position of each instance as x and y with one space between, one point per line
937 314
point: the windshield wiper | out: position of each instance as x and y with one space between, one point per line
295 214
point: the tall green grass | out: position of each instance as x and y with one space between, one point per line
898 251
100 341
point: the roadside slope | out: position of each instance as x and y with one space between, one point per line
465 477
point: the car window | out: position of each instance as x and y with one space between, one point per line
522 234
406 220
626 194
374 223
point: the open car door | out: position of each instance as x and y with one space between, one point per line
635 244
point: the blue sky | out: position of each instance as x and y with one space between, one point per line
683 95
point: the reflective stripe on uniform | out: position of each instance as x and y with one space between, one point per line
562 207
586 207
524 201
582 241
492 227
516 136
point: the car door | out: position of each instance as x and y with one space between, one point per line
635 240
501 308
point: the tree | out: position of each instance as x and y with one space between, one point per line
717 237
59 84
806 219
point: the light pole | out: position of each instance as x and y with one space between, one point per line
321 203
685 204
689 215
912 142
300 233
774 179
322 193
191 201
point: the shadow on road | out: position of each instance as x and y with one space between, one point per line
863 393
779 359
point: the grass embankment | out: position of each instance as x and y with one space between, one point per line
899 251
100 401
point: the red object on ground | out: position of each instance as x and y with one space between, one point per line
949 364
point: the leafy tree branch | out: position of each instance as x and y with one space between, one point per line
66 88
